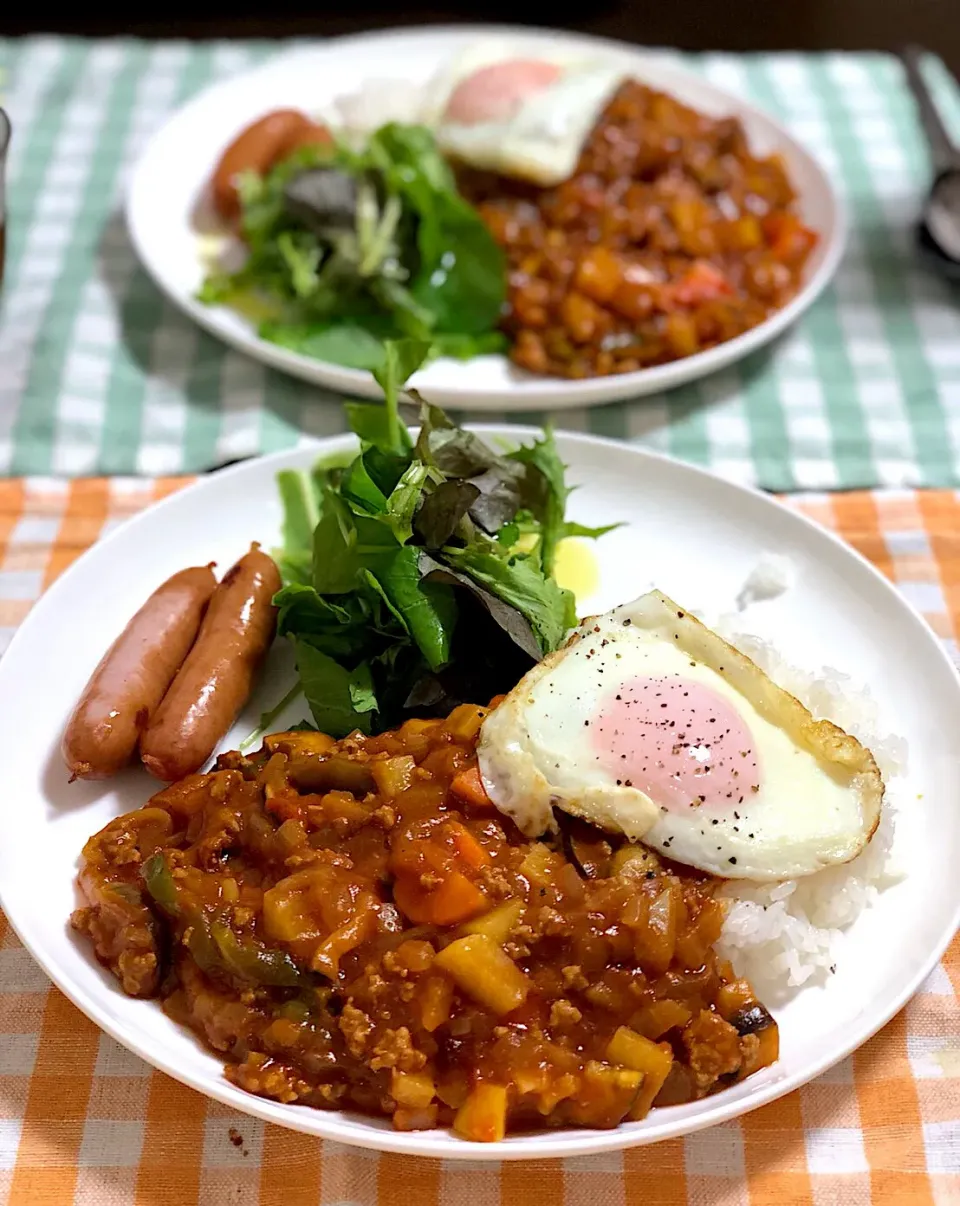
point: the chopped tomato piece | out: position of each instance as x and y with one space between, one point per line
701 284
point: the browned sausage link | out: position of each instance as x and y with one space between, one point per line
134 674
216 679
257 149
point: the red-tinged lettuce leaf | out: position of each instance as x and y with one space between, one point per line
549 610
504 614
440 513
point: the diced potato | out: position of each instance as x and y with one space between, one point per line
598 274
745 233
681 334
339 808
413 1089
540 865
497 924
464 722
581 317
634 861
436 999
393 775
483 1116
484 972
654 1060
660 1016
734 997
687 214
417 726
282 1032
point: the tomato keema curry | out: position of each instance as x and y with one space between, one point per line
671 237
352 925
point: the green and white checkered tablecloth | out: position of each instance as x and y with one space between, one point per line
99 374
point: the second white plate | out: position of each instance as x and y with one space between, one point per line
173 173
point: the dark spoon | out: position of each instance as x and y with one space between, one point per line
938 233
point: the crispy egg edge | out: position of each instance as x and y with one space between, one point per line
504 755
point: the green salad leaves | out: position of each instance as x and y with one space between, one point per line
418 574
349 249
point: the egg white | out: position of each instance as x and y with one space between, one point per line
540 142
819 792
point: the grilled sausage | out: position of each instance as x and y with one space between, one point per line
257 149
216 679
134 674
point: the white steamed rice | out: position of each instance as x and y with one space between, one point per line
784 935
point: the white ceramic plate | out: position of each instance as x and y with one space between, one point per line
694 535
169 183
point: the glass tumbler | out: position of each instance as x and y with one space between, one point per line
4 143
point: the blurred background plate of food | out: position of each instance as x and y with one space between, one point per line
570 221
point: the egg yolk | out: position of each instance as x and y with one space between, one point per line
677 741
495 92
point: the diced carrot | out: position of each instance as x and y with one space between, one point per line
773 225
453 900
468 848
788 239
744 234
468 786
635 300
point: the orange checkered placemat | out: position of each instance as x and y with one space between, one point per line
84 1121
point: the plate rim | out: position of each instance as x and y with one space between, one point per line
553 393
580 1141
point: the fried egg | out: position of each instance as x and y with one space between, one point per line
522 115
648 724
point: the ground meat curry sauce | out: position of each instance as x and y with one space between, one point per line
352 925
670 237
